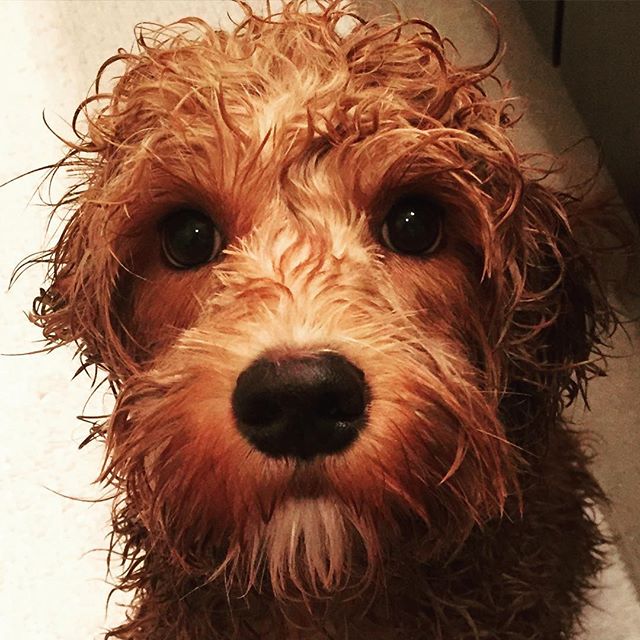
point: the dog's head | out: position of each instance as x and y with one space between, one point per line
335 305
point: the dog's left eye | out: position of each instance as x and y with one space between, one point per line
414 226
189 238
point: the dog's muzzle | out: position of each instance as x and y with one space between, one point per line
301 407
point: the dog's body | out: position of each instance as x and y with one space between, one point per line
342 319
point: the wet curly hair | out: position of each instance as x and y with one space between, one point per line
464 509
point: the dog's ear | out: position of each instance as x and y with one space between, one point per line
51 311
556 318
75 305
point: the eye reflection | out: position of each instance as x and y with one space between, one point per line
413 226
189 238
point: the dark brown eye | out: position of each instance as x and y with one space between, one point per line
189 238
414 226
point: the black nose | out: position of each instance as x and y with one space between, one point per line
301 406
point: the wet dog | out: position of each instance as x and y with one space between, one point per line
342 317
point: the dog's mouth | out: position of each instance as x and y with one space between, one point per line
309 480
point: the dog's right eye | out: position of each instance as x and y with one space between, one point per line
189 238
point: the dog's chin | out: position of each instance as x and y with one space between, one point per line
313 548
308 542
317 543
296 528
308 546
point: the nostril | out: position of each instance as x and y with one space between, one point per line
328 407
257 408
345 403
301 406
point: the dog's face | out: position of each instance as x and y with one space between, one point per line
326 289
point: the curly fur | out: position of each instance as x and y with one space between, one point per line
464 510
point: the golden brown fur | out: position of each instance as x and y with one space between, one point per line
463 509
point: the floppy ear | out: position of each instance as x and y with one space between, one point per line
76 303
558 319
58 309
50 310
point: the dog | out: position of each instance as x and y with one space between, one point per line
342 317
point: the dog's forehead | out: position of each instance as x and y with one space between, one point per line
250 100
281 117
276 146
303 117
